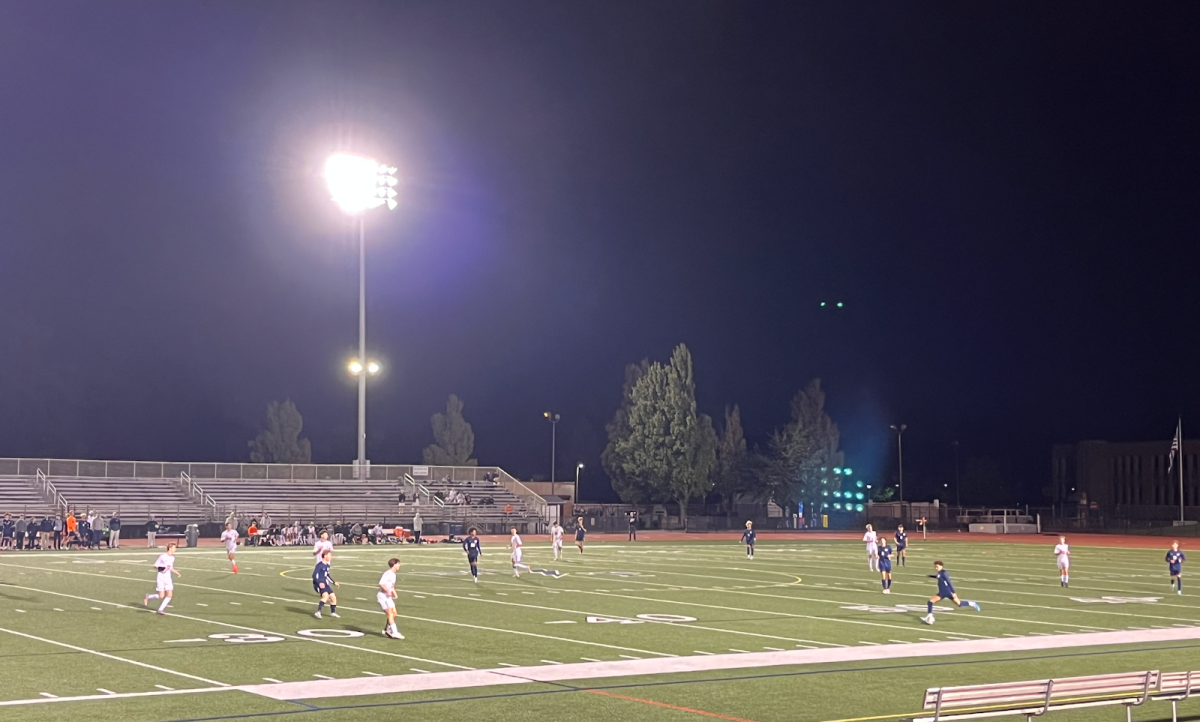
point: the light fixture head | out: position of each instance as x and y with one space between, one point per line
355 367
354 181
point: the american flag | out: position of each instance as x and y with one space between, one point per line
1175 446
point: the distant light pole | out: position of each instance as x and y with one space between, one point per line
358 184
957 485
553 419
900 457
578 468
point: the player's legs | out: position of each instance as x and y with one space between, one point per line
1064 573
964 603
902 554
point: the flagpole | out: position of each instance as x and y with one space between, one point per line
1181 458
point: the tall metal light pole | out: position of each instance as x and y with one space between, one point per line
957 486
553 419
900 454
578 468
358 184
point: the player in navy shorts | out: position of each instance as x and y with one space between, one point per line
473 549
323 585
901 543
945 591
748 539
885 566
1175 560
580 533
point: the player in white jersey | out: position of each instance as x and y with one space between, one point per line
385 597
230 537
514 543
1063 552
165 589
323 545
556 532
872 541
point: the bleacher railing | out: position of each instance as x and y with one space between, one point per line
56 500
196 493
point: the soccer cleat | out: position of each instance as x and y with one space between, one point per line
146 601
476 580
317 615
928 619
161 613
335 615
974 605
1179 592
887 591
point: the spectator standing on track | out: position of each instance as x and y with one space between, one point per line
114 530
633 525
71 526
20 528
151 532
47 532
580 533
417 524
7 529
58 530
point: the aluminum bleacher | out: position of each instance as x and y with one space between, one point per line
135 499
20 495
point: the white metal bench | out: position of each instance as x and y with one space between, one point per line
1036 698
1174 687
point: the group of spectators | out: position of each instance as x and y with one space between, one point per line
76 529
261 532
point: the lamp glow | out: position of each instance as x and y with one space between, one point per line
355 367
372 367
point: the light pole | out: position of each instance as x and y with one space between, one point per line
900 458
957 486
578 468
553 419
358 184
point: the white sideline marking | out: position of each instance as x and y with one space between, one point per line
98 609
173 641
422 671
739 651
506 664
48 695
57 609
272 680
699 663
589 659
898 641
549 661
699 652
373 674
322 676
105 691
163 686
114 657
626 656
777 649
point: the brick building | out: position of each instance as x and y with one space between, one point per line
1125 478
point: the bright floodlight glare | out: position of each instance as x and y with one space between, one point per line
356 367
352 182
372 367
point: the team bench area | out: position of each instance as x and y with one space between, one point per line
1036 698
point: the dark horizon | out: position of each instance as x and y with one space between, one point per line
1004 198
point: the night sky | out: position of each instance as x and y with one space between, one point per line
1005 197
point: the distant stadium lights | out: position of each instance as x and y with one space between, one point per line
858 508
840 304
355 183
860 485
837 470
372 367
355 367
858 496
847 472
822 304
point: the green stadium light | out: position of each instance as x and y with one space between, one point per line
825 493
837 506
840 304
860 485
858 496
859 507
847 472
837 469
822 304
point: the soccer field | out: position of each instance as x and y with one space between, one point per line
650 630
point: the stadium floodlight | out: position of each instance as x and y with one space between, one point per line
355 367
357 184
847 472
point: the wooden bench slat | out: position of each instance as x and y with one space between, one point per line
1032 694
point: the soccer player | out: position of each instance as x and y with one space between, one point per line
872 540
165 589
1063 552
945 591
901 543
556 533
323 584
514 543
580 533
230 537
385 597
1175 560
748 539
885 566
322 546
473 549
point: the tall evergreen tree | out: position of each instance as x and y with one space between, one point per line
617 455
733 473
279 442
801 448
454 437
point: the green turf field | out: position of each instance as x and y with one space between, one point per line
73 625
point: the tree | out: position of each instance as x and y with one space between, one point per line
454 437
617 455
280 442
732 473
669 448
799 451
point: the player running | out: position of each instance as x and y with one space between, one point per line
165 587
515 544
322 546
323 584
872 540
885 566
386 596
230 537
1175 560
748 539
473 549
580 533
556 534
945 591
1063 553
901 543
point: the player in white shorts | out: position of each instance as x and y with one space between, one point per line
386 596
556 533
515 544
165 589
230 537
1063 552
872 541
323 545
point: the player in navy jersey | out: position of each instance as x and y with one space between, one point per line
580 533
323 585
885 566
901 544
945 591
473 549
1175 560
748 539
